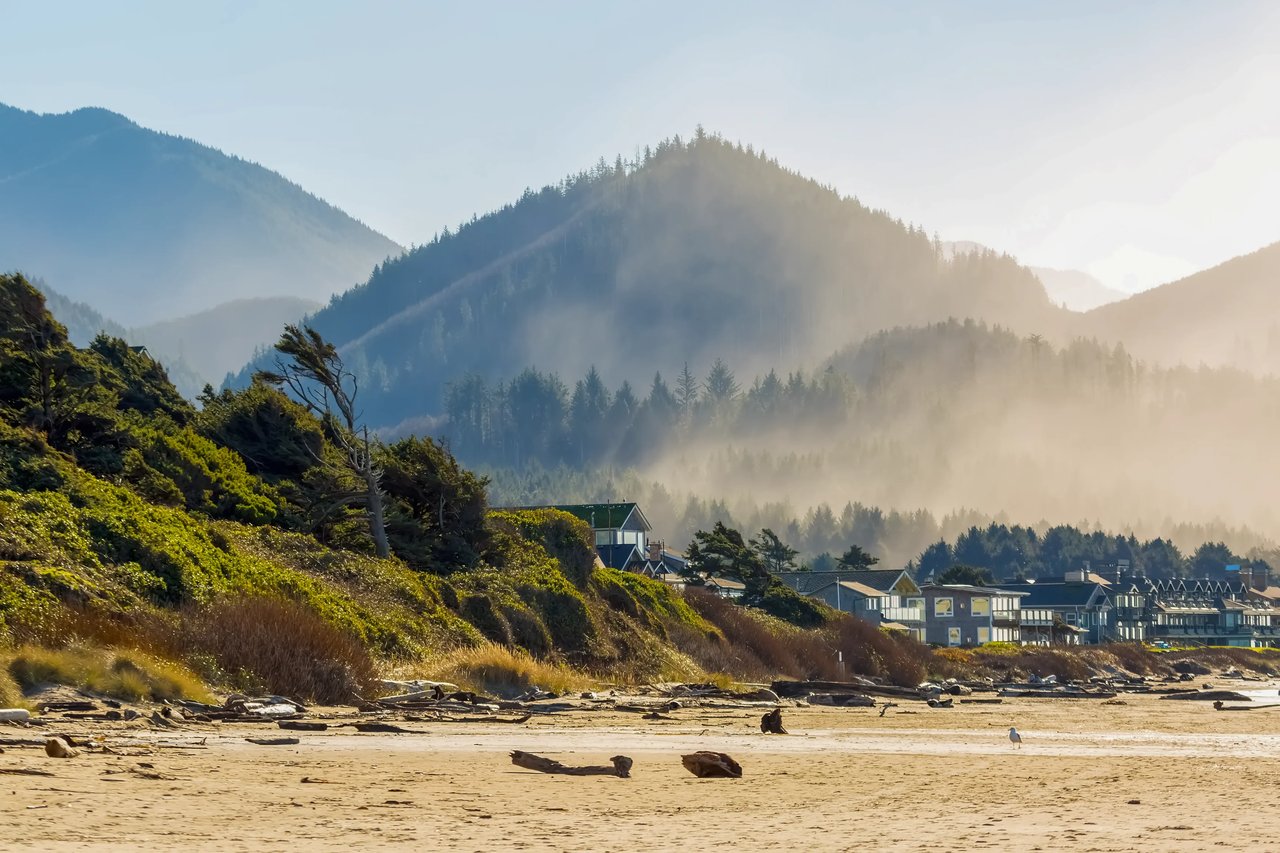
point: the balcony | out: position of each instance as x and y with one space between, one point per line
905 615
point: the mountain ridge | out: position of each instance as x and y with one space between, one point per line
152 226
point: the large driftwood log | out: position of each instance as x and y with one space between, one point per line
711 765
771 723
529 761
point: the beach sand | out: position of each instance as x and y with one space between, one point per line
845 779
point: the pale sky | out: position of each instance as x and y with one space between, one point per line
1138 141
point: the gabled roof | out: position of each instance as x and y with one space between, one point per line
619 556
1051 594
606 516
807 583
724 583
861 589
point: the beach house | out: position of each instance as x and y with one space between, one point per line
965 615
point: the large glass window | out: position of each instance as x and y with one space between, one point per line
981 607
984 635
953 636
944 608
604 537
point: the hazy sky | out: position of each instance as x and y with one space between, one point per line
1138 141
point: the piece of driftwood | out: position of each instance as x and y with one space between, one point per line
886 706
1218 706
442 719
383 728
529 761
941 703
711 765
274 741
46 707
300 726
1209 696
771 723
56 747
981 701
24 771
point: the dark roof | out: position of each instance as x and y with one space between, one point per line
972 590
1041 594
808 583
619 556
605 516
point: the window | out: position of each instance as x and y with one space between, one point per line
981 607
917 603
984 635
943 609
604 537
953 636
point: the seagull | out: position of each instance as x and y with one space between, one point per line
1015 738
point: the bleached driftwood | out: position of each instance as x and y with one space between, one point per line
529 761
711 765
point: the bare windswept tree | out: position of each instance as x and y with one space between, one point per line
315 374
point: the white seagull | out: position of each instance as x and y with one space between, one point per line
1015 738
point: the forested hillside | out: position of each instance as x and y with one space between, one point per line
690 252
1227 315
951 419
147 227
239 538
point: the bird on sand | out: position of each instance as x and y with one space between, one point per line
1015 738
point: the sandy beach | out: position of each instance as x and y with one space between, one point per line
1149 774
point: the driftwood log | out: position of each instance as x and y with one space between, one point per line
529 761
274 741
1208 696
711 765
771 723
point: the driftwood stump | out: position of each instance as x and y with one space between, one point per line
56 747
711 765
529 761
771 723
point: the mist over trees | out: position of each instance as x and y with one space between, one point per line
689 251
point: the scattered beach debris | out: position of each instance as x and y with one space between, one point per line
711 765
886 706
941 703
771 723
621 765
302 726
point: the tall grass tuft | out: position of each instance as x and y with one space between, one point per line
504 671
119 673
279 646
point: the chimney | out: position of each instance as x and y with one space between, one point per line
655 551
1077 575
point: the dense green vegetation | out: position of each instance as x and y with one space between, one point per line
234 539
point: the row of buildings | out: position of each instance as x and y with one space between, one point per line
1079 607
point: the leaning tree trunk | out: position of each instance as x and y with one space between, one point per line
377 524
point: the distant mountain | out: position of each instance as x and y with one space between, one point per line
1227 315
1076 290
219 341
695 251
196 350
1072 289
149 226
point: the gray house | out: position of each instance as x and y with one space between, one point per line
964 615
886 608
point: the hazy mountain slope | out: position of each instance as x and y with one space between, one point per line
148 226
1075 289
83 322
960 415
1229 314
699 251
219 341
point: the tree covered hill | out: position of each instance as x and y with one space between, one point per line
692 251
127 516
946 418
1227 315
147 226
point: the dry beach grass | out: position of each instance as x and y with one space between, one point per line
1148 774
